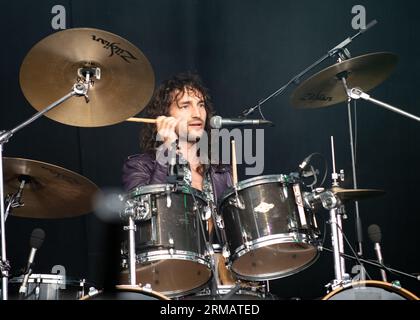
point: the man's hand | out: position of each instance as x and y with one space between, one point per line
166 128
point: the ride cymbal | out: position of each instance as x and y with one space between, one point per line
356 194
50 191
326 87
54 65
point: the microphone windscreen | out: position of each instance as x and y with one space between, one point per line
37 238
216 122
374 233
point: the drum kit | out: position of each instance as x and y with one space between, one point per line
267 225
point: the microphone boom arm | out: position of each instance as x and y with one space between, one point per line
296 78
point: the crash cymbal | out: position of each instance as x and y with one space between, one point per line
325 88
50 69
356 194
50 192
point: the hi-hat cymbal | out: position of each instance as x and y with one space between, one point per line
326 88
50 191
356 194
50 69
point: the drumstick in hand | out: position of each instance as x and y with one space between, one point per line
142 120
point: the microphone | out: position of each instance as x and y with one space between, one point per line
304 163
218 122
375 236
35 242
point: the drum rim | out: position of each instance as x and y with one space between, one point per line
193 257
129 288
165 254
51 278
268 240
373 283
255 181
161 188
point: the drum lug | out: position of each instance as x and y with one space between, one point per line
225 252
168 196
293 227
245 240
219 222
206 213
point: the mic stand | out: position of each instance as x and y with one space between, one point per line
371 263
79 89
296 79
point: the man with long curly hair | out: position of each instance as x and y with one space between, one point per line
183 108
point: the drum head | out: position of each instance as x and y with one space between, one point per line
172 277
370 290
274 261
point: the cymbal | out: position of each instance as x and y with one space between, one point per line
326 89
52 192
356 194
50 69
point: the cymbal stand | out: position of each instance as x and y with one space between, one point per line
133 213
336 209
357 93
80 88
359 229
14 200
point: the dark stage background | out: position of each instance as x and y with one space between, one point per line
244 50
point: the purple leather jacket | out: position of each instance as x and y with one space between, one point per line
143 169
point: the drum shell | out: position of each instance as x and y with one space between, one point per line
269 217
172 227
49 287
171 253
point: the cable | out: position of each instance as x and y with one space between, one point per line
325 165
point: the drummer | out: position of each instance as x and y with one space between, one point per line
183 108
179 103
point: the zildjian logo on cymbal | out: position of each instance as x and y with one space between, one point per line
124 54
316 97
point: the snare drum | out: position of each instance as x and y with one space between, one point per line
370 290
269 232
170 244
49 287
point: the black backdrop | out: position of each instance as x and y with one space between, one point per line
244 50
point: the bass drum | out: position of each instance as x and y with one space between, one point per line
370 290
126 292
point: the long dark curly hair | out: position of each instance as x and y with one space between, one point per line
161 101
